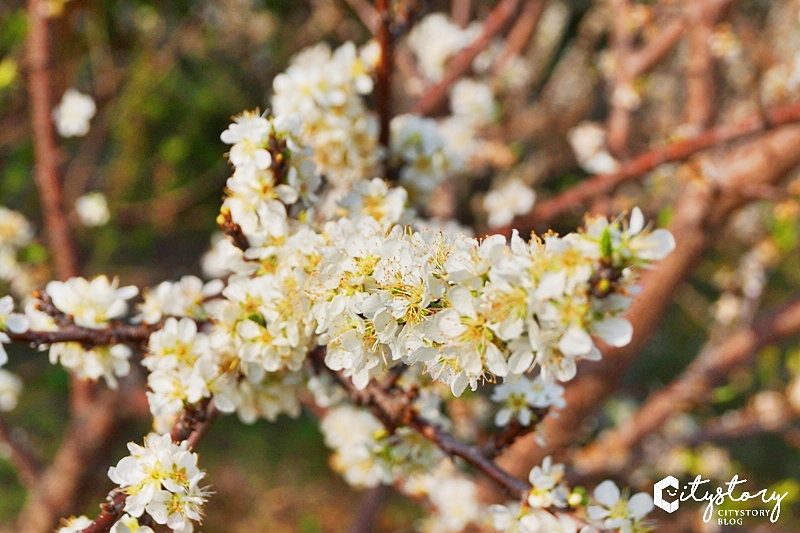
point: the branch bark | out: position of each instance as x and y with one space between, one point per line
46 174
25 464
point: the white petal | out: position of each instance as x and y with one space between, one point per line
615 331
636 223
607 493
640 505
575 342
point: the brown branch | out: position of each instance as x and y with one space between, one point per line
514 430
383 71
520 34
114 334
39 86
88 433
434 98
192 425
369 509
460 12
26 465
690 388
366 14
619 117
566 201
394 408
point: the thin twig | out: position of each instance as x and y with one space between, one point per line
366 13
26 465
393 408
432 101
520 34
566 201
39 86
383 71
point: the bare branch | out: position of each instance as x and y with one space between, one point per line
432 101
26 465
366 13
566 201
114 334
39 86
383 71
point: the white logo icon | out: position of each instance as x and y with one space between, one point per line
668 481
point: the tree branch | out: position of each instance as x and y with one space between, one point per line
699 215
393 408
434 98
26 465
600 184
383 71
114 334
366 14
39 87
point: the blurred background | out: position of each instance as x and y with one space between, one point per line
168 76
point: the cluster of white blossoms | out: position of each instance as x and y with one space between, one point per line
521 397
421 152
366 454
73 113
16 233
90 304
511 199
327 88
376 293
588 141
184 298
550 499
162 479
452 496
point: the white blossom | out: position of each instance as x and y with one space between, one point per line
162 479
10 389
10 321
92 209
75 524
504 203
92 304
73 114
615 512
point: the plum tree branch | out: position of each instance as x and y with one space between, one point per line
46 174
433 99
393 408
600 184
